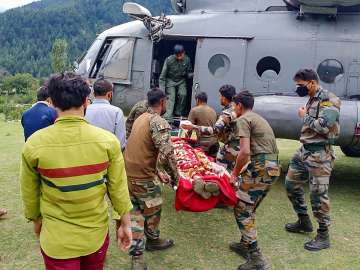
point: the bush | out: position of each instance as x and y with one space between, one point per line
13 111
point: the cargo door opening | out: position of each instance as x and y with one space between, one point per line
165 48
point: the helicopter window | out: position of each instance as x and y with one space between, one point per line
268 68
118 62
219 65
330 71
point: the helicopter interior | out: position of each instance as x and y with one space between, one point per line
165 48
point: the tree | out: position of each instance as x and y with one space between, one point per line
20 84
59 56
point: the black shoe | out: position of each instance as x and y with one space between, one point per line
256 261
302 225
240 248
321 241
158 244
137 263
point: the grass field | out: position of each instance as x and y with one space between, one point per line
201 239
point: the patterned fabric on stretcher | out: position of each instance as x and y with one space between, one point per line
193 163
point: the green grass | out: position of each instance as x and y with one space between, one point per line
201 239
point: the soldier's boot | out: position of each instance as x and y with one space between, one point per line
321 241
199 188
240 248
302 225
158 244
137 263
256 261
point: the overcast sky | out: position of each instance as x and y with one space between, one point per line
6 4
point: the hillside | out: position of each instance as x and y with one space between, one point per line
27 33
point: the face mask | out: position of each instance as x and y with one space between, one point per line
302 91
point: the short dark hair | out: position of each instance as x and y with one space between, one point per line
179 49
306 75
228 91
102 87
245 98
42 93
68 90
154 96
202 96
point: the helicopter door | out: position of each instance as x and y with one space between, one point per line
218 61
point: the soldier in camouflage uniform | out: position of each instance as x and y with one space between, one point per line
149 156
314 161
225 129
138 109
177 68
255 172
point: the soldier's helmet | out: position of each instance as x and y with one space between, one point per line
178 49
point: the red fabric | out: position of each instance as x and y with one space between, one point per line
93 261
188 200
73 171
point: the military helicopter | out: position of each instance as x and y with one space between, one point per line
256 45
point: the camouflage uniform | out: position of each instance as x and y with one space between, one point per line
138 109
314 161
226 130
146 194
146 213
173 81
261 173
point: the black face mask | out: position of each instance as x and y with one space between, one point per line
302 91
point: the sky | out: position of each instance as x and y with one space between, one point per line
7 4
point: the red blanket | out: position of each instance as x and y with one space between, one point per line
186 198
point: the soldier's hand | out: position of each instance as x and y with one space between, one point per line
302 112
187 125
37 226
164 177
233 179
124 234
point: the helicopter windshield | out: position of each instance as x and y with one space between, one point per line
87 61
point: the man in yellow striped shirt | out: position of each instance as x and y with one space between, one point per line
66 171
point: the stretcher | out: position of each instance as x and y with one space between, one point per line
197 171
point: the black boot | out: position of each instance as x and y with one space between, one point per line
321 241
302 225
158 244
137 263
256 261
240 248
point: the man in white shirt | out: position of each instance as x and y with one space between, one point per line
104 115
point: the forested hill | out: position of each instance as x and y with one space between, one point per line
27 33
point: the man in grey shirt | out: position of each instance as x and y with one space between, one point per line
104 115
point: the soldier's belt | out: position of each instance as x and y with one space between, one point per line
315 147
